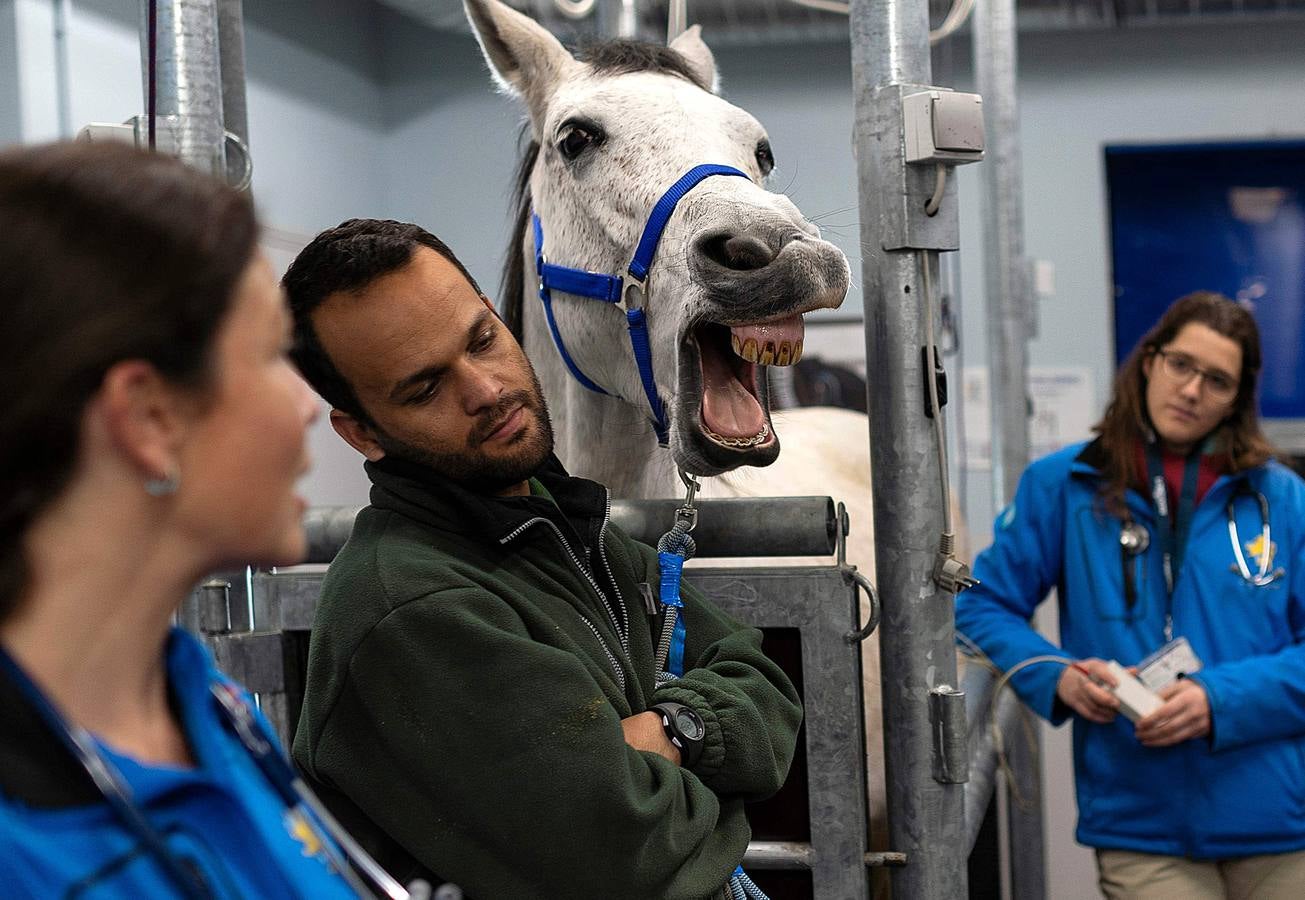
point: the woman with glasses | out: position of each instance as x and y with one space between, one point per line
1176 545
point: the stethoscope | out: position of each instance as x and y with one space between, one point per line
1263 576
1134 539
262 749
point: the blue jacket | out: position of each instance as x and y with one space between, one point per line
1240 791
59 838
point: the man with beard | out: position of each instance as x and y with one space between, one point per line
482 703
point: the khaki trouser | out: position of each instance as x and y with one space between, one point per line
1125 875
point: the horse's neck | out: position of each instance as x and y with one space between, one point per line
598 437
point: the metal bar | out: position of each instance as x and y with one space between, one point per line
188 83
1008 300
727 527
231 64
890 50
62 69
779 855
1011 320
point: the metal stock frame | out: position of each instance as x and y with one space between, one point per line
255 621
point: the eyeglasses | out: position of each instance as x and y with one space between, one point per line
1181 368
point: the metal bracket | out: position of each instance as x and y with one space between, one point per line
852 576
951 758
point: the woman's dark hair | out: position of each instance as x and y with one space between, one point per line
1126 419
107 253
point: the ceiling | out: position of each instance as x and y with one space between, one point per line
785 21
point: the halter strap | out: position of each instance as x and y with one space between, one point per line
613 289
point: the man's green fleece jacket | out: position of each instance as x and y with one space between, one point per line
471 662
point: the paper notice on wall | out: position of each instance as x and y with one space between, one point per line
1064 411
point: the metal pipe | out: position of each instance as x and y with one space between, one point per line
727 527
231 64
1005 267
779 855
1010 313
890 51
62 69
188 81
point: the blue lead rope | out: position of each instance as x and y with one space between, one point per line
672 568
613 289
674 547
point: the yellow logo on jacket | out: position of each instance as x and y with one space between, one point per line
1256 547
296 825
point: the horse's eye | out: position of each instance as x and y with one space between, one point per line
577 140
765 157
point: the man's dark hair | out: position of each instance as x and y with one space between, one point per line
347 259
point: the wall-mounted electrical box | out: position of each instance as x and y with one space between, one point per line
943 126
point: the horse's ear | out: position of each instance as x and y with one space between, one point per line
691 46
524 58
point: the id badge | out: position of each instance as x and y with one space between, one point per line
1165 665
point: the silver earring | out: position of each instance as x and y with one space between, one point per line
162 487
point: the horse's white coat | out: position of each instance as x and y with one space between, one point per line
657 127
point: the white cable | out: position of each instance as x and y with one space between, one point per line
931 360
824 5
939 185
574 9
955 18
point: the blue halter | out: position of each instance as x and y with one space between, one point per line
628 296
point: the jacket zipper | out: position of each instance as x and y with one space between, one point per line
624 635
607 650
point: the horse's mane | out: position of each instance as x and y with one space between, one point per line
617 57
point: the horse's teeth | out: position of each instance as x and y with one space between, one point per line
797 353
767 354
785 354
734 343
749 350
742 443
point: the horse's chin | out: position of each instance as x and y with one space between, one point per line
697 448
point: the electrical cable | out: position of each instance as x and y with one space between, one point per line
931 360
998 740
939 186
951 23
574 9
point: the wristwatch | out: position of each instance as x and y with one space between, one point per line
685 729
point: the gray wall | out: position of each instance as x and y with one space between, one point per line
356 111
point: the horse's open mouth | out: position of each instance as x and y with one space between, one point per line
733 413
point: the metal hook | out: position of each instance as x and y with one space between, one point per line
687 515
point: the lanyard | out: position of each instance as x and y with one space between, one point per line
253 737
1173 525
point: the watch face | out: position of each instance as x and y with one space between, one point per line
690 724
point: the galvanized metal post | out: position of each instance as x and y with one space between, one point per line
188 80
1010 315
890 59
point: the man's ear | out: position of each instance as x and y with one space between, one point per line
357 435
145 417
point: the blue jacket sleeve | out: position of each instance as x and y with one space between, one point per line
1262 697
1015 574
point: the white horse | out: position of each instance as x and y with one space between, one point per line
735 269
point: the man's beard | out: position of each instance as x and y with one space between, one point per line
475 470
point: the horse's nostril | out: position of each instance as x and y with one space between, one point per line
739 252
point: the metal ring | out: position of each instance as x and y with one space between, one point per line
858 635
